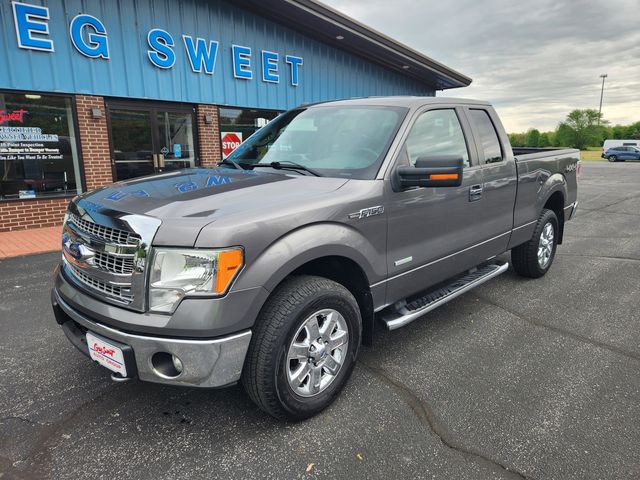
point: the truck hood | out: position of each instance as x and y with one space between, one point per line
187 200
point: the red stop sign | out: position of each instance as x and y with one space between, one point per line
230 141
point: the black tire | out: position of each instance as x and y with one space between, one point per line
264 376
525 257
612 158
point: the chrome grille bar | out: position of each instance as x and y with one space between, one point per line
110 235
122 265
121 293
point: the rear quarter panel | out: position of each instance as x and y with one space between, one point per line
540 175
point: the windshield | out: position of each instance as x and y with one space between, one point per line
335 141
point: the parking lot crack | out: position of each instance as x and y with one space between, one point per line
612 204
604 211
427 417
606 257
24 420
41 442
562 331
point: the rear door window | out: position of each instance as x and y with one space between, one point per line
491 148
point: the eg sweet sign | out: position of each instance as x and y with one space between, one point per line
89 36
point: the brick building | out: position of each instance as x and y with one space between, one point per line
118 90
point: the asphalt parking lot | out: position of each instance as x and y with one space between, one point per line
535 379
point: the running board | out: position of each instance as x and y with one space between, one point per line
435 298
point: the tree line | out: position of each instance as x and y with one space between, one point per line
581 129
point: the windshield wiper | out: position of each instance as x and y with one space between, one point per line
227 161
286 165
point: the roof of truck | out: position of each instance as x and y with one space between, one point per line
404 101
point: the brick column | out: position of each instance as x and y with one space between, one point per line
208 135
94 142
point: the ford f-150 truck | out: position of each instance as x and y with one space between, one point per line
273 267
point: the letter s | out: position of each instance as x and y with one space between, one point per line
161 53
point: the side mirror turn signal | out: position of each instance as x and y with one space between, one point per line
440 171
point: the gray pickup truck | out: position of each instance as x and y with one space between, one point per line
273 268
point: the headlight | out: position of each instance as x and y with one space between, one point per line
176 273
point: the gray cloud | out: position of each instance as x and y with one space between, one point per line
534 61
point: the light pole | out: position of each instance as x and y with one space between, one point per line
603 76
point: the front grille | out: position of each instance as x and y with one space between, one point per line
111 235
108 261
114 264
121 293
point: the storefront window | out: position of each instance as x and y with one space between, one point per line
238 124
38 150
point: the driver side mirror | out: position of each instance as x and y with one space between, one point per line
432 171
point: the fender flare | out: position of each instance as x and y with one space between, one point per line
555 183
308 243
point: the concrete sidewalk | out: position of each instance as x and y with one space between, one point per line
28 242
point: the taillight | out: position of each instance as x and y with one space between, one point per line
578 170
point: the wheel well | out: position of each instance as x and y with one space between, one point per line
348 273
556 203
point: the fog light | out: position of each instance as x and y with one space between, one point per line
177 363
166 365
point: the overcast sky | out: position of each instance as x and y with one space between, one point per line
535 61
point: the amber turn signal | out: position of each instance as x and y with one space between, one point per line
229 263
443 176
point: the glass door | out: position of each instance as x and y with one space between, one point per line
132 149
175 140
150 139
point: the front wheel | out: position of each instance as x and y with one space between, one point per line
534 258
303 348
613 158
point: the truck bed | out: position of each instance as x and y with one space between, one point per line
533 153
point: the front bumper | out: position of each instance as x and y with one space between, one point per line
206 362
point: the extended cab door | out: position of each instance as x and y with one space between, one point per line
434 233
499 174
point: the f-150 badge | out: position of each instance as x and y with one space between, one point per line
367 212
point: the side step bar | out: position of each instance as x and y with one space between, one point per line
435 298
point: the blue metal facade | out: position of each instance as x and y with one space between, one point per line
326 73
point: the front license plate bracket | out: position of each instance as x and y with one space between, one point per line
109 353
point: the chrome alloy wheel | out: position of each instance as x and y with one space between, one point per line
545 245
317 352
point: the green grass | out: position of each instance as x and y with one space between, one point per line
592 155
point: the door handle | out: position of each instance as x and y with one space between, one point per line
475 192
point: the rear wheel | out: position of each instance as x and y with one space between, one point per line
534 258
613 158
303 347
